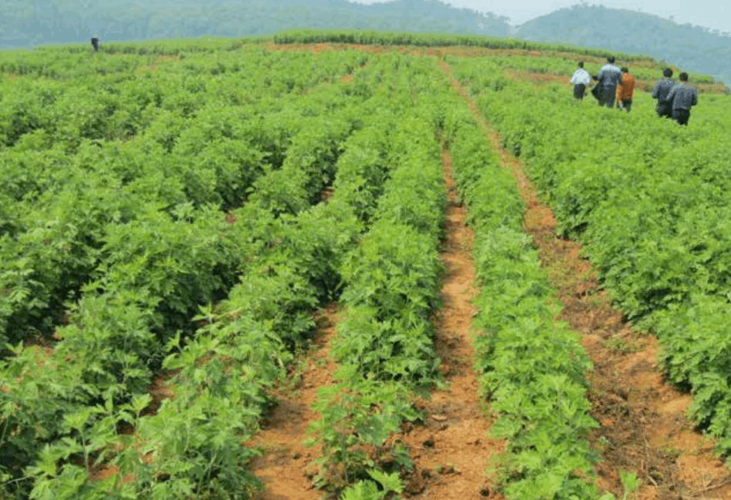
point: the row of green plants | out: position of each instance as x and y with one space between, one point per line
649 201
384 344
172 47
117 96
150 287
157 270
368 37
63 63
193 445
532 367
116 445
59 204
250 338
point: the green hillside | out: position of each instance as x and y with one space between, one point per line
687 46
33 22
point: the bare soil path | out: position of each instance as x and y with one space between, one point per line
284 465
452 449
642 425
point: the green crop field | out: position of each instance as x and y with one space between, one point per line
175 213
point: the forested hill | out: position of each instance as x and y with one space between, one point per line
690 47
27 23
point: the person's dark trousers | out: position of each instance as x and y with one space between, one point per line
681 116
597 92
608 95
579 90
626 105
663 110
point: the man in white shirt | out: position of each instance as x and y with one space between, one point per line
580 80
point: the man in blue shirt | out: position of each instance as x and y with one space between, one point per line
682 97
661 91
609 77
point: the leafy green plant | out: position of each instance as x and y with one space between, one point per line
355 430
369 490
532 367
630 483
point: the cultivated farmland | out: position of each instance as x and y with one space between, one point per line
359 266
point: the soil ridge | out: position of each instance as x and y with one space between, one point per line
284 465
452 450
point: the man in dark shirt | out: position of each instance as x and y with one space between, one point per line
95 43
609 77
682 97
661 91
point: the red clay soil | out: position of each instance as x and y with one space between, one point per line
642 425
322 47
537 78
159 390
165 58
350 77
158 60
283 467
373 49
459 51
451 450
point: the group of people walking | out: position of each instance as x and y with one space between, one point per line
674 100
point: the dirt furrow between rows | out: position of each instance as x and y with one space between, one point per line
643 429
451 450
284 464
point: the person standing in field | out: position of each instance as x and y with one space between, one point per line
580 80
661 91
626 90
95 43
682 97
609 77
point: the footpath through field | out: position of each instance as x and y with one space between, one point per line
642 425
452 450
283 464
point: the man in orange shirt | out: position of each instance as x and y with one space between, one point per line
626 90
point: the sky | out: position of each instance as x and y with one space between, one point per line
713 14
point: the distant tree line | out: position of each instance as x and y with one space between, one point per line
28 23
